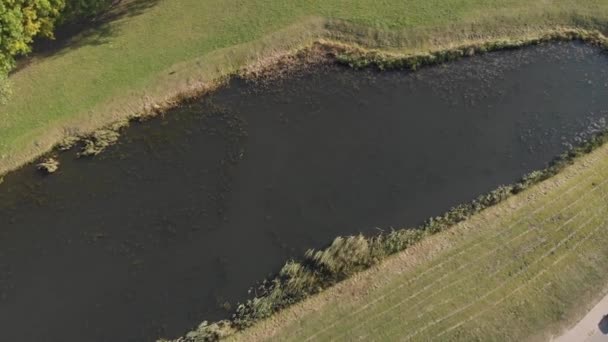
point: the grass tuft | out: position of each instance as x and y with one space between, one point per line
48 165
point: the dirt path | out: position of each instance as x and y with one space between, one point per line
592 328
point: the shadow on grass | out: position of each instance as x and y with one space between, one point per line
92 31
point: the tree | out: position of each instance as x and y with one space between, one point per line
85 9
20 22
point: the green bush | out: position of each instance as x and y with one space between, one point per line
20 22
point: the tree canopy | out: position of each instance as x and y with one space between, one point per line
84 9
20 22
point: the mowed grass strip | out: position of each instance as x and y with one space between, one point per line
518 271
172 47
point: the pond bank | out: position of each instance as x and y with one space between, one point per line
521 270
176 221
318 46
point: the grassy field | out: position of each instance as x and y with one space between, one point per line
161 48
524 269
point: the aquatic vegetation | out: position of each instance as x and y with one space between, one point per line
68 142
48 165
98 142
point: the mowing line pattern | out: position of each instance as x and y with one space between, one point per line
523 270
537 276
479 299
472 275
437 266
499 233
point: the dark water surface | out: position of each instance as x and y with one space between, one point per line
187 212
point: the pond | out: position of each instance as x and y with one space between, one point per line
173 225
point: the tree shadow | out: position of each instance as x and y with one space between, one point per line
93 31
603 325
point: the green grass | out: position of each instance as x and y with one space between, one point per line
179 45
517 271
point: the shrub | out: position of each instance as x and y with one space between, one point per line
21 21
